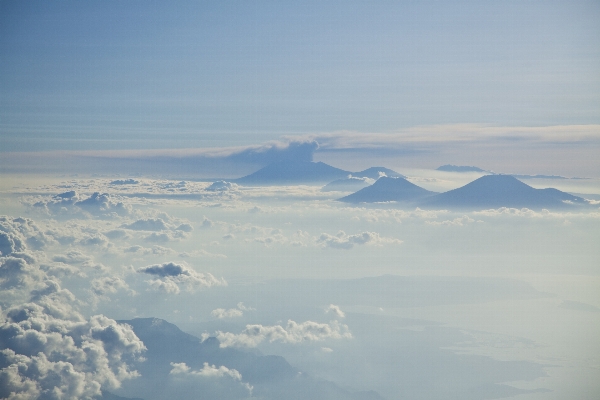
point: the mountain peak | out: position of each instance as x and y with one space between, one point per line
388 189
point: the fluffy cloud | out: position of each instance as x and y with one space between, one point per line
222 186
294 332
72 204
47 357
335 310
171 276
49 350
208 372
148 224
223 313
232 312
460 221
527 213
344 241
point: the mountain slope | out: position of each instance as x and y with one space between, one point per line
388 189
496 191
271 377
294 172
377 172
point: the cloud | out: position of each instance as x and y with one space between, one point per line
171 276
124 182
109 284
71 204
232 312
148 224
222 186
208 372
48 357
226 161
48 349
294 332
346 242
335 310
164 237
460 221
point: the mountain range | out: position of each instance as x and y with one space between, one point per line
489 191
308 172
388 189
271 377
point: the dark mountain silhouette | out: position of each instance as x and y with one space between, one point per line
496 191
271 376
293 172
388 189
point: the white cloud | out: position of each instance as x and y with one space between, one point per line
147 224
208 371
232 312
294 332
460 221
344 241
170 277
335 310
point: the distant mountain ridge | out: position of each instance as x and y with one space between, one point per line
272 377
388 189
496 191
307 172
489 191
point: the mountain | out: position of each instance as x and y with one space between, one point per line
293 172
308 172
351 184
459 168
271 377
377 172
494 191
388 189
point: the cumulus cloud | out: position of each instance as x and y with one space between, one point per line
528 213
344 241
222 186
147 224
223 313
163 237
460 221
109 284
170 277
232 312
48 349
124 182
71 204
335 310
17 233
47 357
293 332
208 372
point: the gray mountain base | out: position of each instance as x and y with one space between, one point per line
494 191
489 191
272 377
388 189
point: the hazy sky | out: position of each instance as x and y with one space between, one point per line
108 75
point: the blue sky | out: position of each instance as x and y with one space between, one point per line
126 75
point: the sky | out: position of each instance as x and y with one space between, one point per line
124 230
